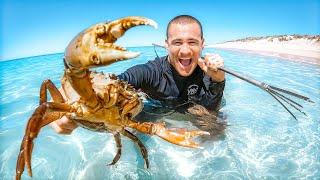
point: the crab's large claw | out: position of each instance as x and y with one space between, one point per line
95 46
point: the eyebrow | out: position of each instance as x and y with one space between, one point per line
191 39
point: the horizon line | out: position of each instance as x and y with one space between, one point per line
19 58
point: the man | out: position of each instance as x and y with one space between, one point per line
180 77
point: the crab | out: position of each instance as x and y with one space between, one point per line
96 101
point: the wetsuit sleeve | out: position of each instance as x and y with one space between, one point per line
211 94
140 76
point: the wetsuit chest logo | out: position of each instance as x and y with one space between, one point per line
192 89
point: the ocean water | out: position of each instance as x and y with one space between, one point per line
262 140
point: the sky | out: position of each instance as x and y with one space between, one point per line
37 27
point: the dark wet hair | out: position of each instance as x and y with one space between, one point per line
184 19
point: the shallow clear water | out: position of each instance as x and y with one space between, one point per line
262 140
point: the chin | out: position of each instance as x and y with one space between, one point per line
185 74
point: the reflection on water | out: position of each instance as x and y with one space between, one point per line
258 139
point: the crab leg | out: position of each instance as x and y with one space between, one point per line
117 138
35 123
178 136
26 146
136 140
40 118
54 92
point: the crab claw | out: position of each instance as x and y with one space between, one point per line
181 137
95 46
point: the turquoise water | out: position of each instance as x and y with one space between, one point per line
262 140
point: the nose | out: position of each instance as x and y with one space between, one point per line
185 50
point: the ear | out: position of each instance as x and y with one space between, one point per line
166 44
202 45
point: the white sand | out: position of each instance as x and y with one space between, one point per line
299 48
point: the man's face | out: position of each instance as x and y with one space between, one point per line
184 44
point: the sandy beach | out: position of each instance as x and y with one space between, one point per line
293 47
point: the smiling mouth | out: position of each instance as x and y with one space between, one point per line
185 62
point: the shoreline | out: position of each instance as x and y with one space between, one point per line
285 56
298 49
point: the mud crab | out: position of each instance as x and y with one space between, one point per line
97 101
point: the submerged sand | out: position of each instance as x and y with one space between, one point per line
293 47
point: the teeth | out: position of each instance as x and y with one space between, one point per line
116 29
185 62
118 47
110 45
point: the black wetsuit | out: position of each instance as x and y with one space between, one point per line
160 81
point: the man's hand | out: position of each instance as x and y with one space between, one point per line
64 125
210 65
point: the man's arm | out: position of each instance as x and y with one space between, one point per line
64 125
137 76
212 94
214 81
